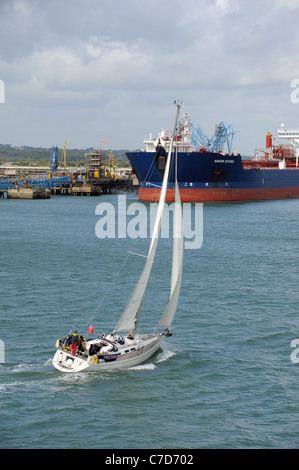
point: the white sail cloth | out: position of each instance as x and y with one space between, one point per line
129 318
177 262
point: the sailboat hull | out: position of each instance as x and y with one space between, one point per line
132 353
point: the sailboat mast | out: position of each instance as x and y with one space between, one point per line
162 198
129 318
177 257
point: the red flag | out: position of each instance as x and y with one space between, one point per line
90 329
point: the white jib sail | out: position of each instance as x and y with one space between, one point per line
128 320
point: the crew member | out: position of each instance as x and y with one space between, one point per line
75 340
81 344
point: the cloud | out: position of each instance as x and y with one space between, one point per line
114 67
291 4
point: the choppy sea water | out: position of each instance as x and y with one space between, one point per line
225 379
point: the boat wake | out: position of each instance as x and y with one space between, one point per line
162 356
34 375
150 366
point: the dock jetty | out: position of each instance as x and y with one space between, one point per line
93 179
72 188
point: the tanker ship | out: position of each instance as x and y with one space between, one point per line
207 173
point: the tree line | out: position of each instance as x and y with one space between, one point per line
40 156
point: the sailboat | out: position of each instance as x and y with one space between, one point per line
124 347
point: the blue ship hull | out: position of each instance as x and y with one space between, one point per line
213 177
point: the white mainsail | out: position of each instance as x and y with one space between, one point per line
177 262
129 318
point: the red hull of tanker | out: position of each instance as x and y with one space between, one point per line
221 194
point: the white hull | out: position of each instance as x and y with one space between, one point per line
132 353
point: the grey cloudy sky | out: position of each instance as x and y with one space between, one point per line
90 70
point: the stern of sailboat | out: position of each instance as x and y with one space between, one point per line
66 362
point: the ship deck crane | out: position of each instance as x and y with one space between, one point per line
224 134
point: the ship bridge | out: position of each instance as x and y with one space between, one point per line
292 135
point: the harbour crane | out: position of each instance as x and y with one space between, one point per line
54 160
